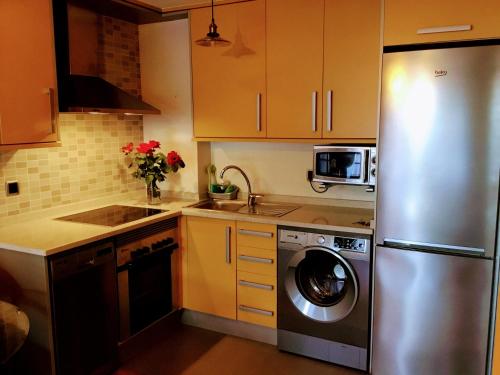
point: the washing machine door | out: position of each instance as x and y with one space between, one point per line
321 284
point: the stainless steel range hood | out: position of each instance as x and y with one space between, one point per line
79 50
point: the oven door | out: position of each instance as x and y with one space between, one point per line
144 291
341 165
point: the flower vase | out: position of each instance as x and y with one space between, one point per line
154 194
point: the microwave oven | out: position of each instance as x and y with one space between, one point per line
352 165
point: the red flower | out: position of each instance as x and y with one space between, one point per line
154 144
128 148
173 158
145 148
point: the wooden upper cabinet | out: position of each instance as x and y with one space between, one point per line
424 21
210 274
351 68
294 68
229 86
27 73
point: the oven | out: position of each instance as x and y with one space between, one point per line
144 267
353 165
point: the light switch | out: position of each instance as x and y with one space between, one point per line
12 188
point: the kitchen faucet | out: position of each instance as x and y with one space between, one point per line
252 198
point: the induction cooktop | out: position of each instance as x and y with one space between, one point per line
112 216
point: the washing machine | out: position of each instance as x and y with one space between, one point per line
324 295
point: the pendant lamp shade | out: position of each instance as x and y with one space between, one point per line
213 38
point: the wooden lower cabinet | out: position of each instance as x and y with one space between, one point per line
257 280
229 269
210 266
257 299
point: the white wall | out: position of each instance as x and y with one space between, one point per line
278 169
166 84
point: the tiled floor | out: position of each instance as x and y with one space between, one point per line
193 351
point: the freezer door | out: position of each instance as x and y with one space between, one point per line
431 313
439 148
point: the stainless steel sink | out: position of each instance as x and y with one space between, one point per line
264 209
267 209
220 205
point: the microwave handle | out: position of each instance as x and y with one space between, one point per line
365 175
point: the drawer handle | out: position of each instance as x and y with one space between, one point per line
255 311
248 258
444 29
255 233
256 285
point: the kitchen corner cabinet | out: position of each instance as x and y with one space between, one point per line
210 274
351 68
294 32
229 83
27 73
323 60
427 21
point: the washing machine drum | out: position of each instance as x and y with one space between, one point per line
321 284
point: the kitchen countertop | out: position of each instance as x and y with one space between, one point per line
38 233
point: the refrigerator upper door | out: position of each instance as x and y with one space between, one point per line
431 313
439 148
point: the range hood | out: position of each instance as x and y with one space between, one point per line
79 51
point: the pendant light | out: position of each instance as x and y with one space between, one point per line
213 38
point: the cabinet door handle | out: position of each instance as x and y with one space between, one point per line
444 29
51 93
329 99
228 245
314 99
255 233
248 258
259 125
256 285
255 311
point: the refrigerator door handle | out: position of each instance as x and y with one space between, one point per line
390 242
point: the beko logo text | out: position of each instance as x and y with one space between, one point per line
440 73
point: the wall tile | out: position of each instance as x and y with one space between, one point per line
89 164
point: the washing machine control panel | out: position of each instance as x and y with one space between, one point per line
351 244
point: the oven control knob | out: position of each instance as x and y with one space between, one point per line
374 159
321 240
373 172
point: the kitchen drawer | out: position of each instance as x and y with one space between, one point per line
254 260
257 299
262 236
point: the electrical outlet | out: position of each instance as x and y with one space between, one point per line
12 188
309 175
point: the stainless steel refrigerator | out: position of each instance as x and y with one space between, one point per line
437 211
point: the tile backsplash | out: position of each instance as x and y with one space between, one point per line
118 54
89 164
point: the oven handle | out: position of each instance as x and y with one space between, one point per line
133 263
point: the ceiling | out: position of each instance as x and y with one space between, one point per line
176 5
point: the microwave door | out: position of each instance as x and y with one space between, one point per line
347 166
